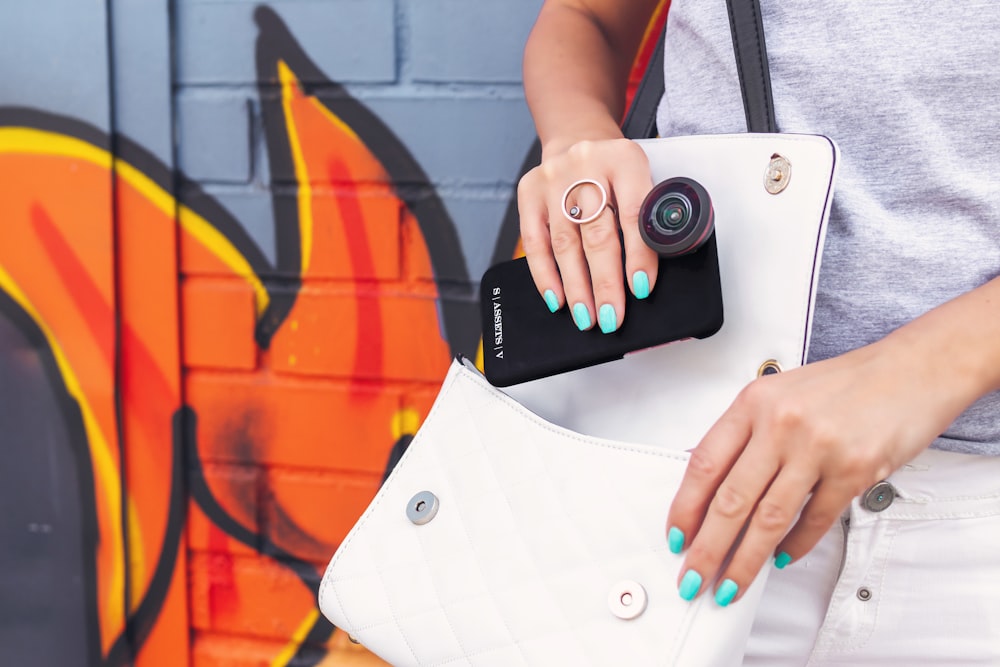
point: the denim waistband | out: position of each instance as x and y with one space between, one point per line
942 485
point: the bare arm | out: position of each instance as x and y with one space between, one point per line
576 66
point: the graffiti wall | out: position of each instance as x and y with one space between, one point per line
239 245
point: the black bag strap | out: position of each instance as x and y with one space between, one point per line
751 64
640 121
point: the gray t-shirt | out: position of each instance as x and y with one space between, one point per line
910 91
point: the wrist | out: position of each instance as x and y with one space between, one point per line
560 139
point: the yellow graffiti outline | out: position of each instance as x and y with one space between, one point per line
32 141
104 464
288 81
299 636
42 142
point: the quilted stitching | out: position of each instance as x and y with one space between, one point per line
607 543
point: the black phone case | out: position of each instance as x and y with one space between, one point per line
523 341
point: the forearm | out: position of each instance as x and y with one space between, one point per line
953 351
576 66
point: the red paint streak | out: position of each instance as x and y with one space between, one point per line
223 596
77 281
155 396
368 353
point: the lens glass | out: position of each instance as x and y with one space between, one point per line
676 217
672 213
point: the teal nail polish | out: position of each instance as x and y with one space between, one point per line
607 318
781 560
690 585
640 284
551 301
581 316
675 540
726 592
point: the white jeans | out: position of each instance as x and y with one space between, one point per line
915 584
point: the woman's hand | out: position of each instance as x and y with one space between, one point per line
581 264
809 439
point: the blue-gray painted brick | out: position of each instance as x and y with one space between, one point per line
54 57
213 134
349 40
478 223
455 140
252 208
462 41
460 139
141 32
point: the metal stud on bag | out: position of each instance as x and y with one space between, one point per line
769 367
778 174
422 508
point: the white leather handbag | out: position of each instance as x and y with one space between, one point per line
527 527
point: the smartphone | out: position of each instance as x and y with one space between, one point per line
523 341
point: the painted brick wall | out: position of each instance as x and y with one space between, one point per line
444 78
239 247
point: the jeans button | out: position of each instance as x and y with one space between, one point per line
879 497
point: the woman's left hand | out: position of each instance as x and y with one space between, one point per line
809 439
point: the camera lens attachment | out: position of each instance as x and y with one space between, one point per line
676 217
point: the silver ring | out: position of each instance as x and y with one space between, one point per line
574 214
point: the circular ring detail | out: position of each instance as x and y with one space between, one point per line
574 214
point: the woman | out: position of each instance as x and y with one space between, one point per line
905 353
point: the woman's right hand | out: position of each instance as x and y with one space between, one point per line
581 264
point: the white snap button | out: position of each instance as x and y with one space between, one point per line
627 599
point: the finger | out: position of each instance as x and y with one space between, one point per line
709 464
537 245
821 511
603 250
728 512
582 199
632 183
770 521
588 202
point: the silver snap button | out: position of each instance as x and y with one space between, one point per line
627 599
422 508
879 497
778 174
864 594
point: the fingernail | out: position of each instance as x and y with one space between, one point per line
581 316
675 540
781 560
640 284
726 592
551 301
690 585
607 318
